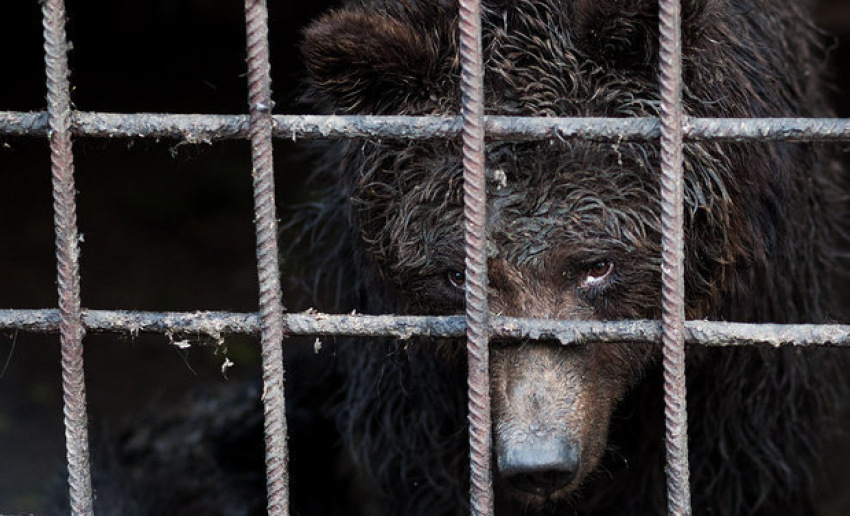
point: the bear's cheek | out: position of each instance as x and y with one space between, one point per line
551 406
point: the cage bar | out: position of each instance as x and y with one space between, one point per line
210 128
216 325
672 259
475 243
67 257
265 219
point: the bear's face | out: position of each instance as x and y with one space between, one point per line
551 404
572 234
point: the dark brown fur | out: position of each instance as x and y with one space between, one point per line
761 245
574 233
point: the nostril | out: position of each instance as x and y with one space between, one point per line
542 483
539 468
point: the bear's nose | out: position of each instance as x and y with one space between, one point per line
540 469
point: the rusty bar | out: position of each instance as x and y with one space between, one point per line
210 128
265 218
672 260
219 324
475 238
67 257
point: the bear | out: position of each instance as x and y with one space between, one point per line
379 427
573 231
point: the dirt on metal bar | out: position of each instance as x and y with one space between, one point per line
67 256
312 324
265 219
210 128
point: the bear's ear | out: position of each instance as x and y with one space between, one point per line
626 31
372 62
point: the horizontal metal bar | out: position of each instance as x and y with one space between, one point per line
217 324
767 129
209 128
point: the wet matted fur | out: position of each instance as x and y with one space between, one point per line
762 237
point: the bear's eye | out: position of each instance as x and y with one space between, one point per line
598 273
457 279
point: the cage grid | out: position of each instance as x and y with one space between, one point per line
59 123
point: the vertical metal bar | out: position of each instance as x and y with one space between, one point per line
672 267
475 205
271 306
67 257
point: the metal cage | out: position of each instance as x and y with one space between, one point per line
59 123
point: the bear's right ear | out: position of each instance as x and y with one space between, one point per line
372 62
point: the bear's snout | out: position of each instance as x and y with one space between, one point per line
551 408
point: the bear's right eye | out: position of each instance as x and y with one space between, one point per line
598 273
457 279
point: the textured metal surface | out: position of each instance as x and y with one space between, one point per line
219 324
475 235
210 128
67 257
265 219
672 266
767 129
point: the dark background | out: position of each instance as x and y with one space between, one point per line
166 226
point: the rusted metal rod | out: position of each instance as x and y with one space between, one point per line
67 257
672 259
210 128
268 270
475 242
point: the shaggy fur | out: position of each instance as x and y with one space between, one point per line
762 233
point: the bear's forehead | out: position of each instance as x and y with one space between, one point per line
580 186
547 176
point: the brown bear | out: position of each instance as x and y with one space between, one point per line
574 233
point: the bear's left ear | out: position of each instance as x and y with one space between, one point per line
626 31
373 62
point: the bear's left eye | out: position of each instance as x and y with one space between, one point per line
457 279
598 273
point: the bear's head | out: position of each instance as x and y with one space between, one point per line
573 226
